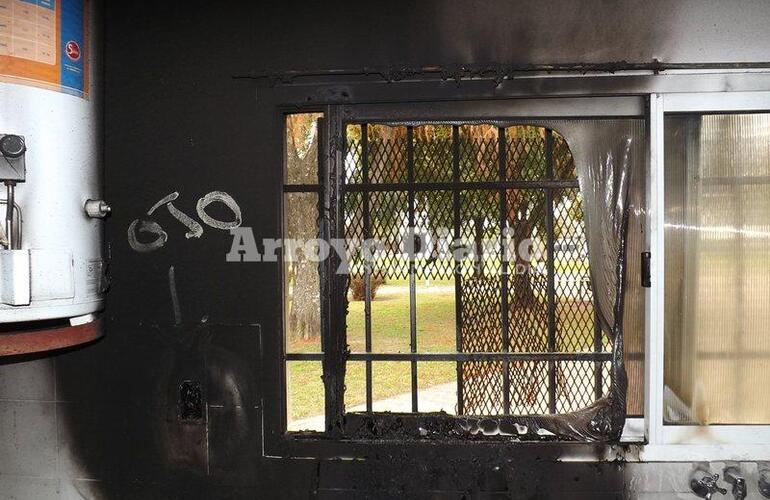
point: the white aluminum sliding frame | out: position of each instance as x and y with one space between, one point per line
654 298
685 442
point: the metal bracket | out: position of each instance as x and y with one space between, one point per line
646 274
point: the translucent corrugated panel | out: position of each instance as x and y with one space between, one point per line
717 366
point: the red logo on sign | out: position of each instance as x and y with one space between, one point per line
73 50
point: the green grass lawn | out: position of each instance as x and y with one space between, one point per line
390 334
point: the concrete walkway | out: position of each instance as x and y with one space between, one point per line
436 398
443 397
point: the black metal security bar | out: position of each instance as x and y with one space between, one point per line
412 270
367 268
503 166
460 186
457 273
460 356
550 263
302 188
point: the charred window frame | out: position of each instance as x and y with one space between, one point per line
336 117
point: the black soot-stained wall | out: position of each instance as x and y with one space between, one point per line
101 422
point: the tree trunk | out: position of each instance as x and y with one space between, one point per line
523 229
302 222
478 264
305 309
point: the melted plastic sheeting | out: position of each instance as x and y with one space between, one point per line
609 155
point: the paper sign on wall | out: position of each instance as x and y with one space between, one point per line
44 43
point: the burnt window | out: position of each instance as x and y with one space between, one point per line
458 296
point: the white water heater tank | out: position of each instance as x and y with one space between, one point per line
52 262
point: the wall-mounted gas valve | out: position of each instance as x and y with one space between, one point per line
13 148
15 286
13 170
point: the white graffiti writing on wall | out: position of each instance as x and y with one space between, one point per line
194 228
